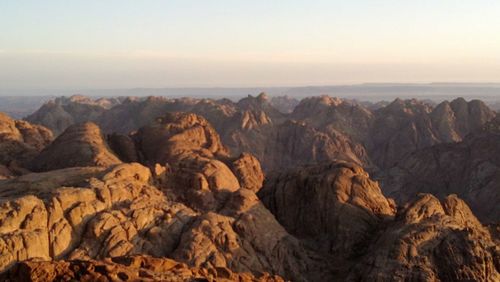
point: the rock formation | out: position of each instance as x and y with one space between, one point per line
284 104
470 169
431 241
20 141
134 268
405 126
79 145
175 136
339 212
324 112
94 213
62 112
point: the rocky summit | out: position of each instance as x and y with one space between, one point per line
263 189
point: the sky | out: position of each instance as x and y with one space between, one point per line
61 44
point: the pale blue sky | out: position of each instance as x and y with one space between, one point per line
119 44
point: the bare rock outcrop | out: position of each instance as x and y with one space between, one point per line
431 241
334 206
5 172
63 112
398 129
296 143
470 169
458 118
79 145
94 213
176 136
248 171
408 125
119 269
21 141
247 237
87 213
325 112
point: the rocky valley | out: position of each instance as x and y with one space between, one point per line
262 189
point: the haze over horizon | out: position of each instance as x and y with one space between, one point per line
155 44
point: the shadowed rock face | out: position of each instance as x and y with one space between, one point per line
176 136
21 141
347 117
405 126
134 268
470 169
431 241
336 209
79 145
62 112
337 203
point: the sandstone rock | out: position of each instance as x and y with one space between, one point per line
176 136
470 169
5 172
199 181
248 171
348 117
405 126
87 213
124 147
134 268
335 206
63 112
20 141
79 145
246 237
431 241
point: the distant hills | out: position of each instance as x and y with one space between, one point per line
20 103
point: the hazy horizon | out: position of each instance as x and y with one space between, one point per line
161 44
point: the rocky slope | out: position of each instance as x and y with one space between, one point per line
342 214
94 213
62 112
335 208
134 268
431 241
405 126
85 141
20 142
470 169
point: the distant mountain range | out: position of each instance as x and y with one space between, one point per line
19 103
